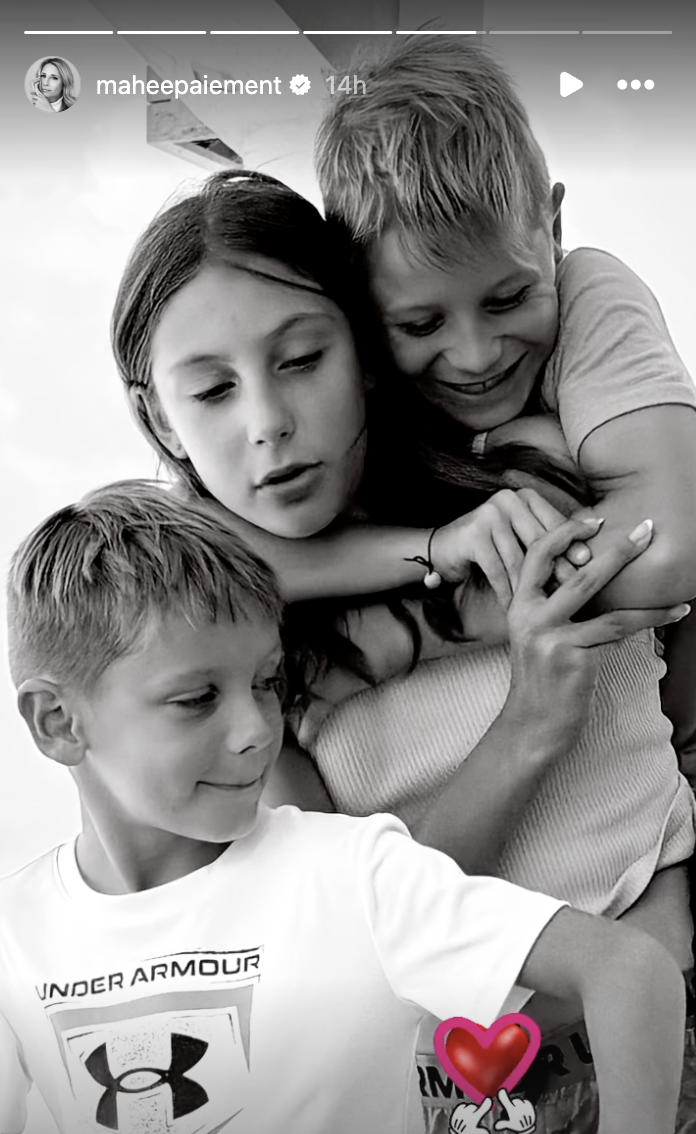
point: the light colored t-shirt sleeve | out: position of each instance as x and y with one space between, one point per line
451 943
14 1082
614 353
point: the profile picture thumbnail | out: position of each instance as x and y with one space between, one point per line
52 84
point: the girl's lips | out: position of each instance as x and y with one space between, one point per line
294 487
288 475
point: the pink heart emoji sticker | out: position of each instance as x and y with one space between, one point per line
483 1061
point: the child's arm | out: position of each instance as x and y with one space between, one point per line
14 1082
362 559
349 560
644 464
632 997
627 408
640 464
677 687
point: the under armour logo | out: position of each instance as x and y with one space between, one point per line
187 1095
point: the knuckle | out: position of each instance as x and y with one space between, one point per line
583 584
506 498
615 626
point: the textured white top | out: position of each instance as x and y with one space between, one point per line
607 814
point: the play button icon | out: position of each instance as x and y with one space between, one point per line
569 84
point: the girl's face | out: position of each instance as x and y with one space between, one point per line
51 83
260 386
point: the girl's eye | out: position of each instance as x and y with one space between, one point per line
304 362
509 301
423 329
214 393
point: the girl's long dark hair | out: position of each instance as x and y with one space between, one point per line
421 470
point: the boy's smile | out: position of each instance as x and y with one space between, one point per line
180 738
474 334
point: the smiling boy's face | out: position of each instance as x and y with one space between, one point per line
474 334
181 735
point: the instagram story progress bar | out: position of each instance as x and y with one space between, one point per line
349 18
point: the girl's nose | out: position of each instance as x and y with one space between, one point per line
269 419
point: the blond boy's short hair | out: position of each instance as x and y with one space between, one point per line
439 145
90 582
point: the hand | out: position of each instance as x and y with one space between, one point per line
495 536
521 1114
464 1117
554 660
38 98
543 432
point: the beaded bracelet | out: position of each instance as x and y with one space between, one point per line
432 577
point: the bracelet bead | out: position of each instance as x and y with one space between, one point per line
432 578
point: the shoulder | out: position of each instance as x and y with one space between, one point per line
599 293
613 353
604 305
40 867
26 888
590 278
583 263
346 844
328 829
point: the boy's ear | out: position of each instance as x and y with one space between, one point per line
557 195
52 721
148 410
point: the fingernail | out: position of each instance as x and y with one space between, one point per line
641 533
580 554
681 611
595 521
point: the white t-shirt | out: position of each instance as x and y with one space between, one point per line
277 990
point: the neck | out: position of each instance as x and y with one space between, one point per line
117 856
